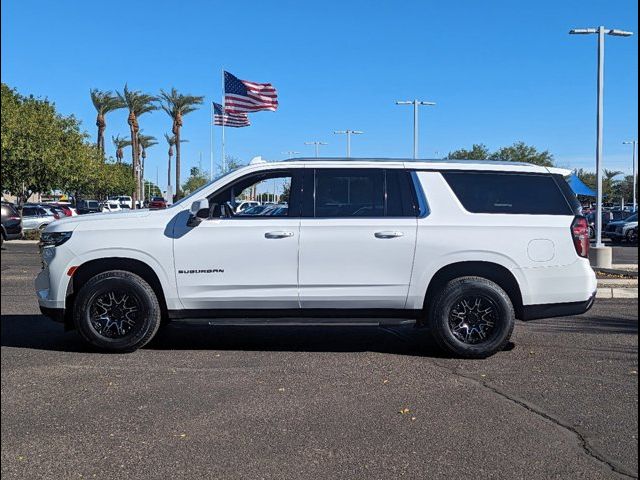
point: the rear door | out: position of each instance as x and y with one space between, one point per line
357 238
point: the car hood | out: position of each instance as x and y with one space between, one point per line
70 223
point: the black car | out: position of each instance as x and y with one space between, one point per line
11 223
608 216
88 206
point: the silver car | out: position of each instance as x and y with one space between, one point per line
36 217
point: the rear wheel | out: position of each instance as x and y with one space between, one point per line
117 311
471 317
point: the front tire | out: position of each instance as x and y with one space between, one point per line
471 317
117 311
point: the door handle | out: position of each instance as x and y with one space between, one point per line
388 234
272 235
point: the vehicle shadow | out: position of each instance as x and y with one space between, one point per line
38 332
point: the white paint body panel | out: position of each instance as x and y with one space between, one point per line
332 263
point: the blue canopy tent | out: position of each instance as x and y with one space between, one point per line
578 186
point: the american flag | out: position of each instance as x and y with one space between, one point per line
229 119
241 96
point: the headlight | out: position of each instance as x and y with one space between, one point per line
54 239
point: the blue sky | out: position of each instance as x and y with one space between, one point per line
500 71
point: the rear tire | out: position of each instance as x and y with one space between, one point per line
117 311
471 317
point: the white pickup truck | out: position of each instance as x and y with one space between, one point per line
462 248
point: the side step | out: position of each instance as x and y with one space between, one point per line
297 322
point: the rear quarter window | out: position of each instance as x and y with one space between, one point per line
510 193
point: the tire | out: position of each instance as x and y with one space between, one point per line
632 236
117 311
490 329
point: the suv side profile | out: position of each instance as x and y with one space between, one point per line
462 248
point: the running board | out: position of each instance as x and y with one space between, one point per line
296 322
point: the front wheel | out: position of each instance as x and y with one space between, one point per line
117 311
471 317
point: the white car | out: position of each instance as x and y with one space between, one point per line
111 207
125 200
246 204
462 248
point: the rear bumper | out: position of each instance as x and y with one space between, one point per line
551 310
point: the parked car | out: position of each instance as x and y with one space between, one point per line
257 210
461 248
36 217
157 203
244 205
64 208
608 216
125 200
11 224
88 206
111 207
622 230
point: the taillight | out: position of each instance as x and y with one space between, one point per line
580 233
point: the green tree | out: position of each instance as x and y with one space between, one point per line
197 179
478 151
137 103
38 144
120 144
521 152
177 105
104 102
145 142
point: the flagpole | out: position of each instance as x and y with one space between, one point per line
211 143
224 112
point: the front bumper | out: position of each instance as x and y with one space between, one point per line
551 310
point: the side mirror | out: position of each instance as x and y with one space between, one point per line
199 210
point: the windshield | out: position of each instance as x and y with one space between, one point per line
632 218
193 195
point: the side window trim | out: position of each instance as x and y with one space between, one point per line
423 205
295 174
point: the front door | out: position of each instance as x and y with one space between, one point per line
249 259
356 250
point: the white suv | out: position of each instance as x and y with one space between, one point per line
463 248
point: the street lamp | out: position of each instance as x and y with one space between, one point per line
291 153
602 255
317 145
348 133
416 103
635 172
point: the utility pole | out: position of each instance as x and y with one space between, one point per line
602 254
317 145
635 172
348 133
416 103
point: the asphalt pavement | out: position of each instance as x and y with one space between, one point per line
312 403
625 254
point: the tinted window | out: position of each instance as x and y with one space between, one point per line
29 212
491 192
349 193
401 199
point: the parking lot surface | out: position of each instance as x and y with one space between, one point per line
303 403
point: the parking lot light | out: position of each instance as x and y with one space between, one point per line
634 143
317 145
601 32
416 103
348 133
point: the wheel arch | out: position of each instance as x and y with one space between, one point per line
495 272
91 268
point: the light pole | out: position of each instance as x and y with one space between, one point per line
291 153
416 103
634 143
317 145
602 255
348 133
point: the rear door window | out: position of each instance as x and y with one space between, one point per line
513 193
345 192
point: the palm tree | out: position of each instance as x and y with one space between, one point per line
104 102
120 144
171 140
138 103
145 141
177 105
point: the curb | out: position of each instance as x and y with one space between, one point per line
25 242
617 271
608 292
